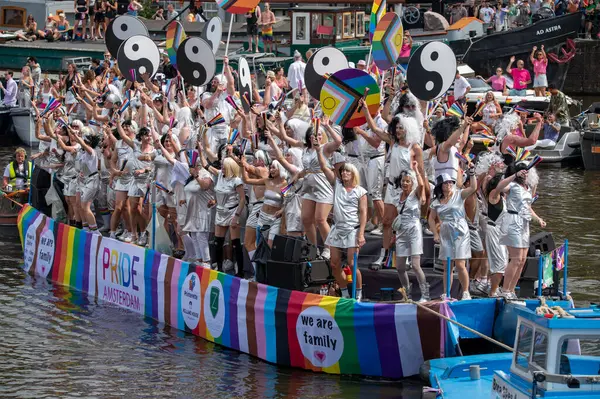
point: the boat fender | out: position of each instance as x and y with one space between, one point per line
566 56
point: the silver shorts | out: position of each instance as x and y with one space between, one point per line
137 189
70 188
89 188
254 211
122 183
476 241
167 199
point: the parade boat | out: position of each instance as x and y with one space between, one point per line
590 148
10 205
288 328
24 125
555 355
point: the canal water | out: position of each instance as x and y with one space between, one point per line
58 343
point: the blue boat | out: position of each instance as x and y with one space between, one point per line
554 356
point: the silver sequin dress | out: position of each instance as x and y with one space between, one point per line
455 240
345 216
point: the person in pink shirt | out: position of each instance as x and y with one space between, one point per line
521 77
406 45
540 63
498 81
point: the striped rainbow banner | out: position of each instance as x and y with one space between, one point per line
288 328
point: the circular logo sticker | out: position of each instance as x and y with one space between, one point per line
214 308
29 246
45 253
190 300
320 338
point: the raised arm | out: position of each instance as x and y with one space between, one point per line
329 174
83 144
532 55
517 141
465 193
509 67
250 180
335 141
382 134
456 135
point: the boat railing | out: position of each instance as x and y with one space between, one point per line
571 380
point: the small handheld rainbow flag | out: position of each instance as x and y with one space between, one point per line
246 98
244 145
192 157
462 157
285 189
511 151
217 120
522 154
255 140
365 93
50 106
233 135
125 105
171 122
168 87
535 198
455 110
132 74
430 109
317 125
232 102
92 122
479 107
536 160
61 121
300 86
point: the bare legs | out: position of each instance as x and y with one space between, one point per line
463 275
513 271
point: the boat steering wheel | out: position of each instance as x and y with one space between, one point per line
411 15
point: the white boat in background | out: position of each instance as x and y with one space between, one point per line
24 125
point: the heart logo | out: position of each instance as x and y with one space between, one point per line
43 269
320 356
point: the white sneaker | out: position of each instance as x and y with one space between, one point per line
143 240
205 265
228 266
128 237
369 227
378 231
465 296
325 254
113 235
123 234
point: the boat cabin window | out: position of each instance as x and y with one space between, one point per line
540 349
319 21
348 25
338 27
360 24
12 16
524 342
301 28
579 355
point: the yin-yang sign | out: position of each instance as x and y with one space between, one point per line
431 71
245 84
325 61
213 32
121 29
196 61
136 56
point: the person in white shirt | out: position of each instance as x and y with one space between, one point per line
10 91
296 71
486 14
461 88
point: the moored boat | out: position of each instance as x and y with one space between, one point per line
9 212
24 125
555 355
590 148
289 328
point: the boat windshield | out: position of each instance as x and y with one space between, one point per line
478 85
579 356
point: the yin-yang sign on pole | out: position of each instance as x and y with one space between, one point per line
213 32
195 61
325 61
245 84
120 29
431 71
136 56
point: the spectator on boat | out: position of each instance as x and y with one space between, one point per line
506 136
462 87
67 83
408 229
500 17
486 14
457 12
81 18
437 116
497 253
45 92
111 11
133 8
10 91
159 14
361 65
535 5
17 174
497 81
551 133
63 28
524 17
573 6
49 31
100 21
514 232
266 21
31 28
171 13
521 77
349 217
560 8
540 63
558 105
252 28
36 72
26 88
280 79
295 74
272 91
490 112
449 207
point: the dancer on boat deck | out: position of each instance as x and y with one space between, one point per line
349 217
453 236
496 252
409 233
403 136
88 180
515 225
231 200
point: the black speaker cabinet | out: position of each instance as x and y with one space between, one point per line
292 249
545 243
298 276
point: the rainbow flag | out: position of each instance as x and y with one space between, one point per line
285 189
244 145
536 160
163 188
456 110
462 157
192 157
535 198
559 256
125 105
233 135
378 10
511 151
175 36
61 121
132 74
216 120
522 154
479 106
232 102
